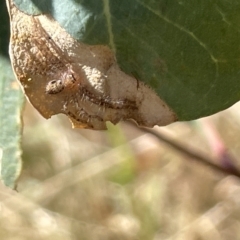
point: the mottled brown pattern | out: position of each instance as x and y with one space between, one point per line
60 75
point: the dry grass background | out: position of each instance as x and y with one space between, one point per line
123 183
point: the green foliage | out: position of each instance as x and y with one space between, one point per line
186 50
11 101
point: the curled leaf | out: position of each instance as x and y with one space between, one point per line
61 75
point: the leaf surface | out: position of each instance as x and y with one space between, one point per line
11 101
187 51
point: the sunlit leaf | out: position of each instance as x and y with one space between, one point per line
187 51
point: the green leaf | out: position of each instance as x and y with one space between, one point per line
187 51
11 101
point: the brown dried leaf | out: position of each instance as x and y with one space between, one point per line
60 75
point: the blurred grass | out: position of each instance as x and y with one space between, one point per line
122 183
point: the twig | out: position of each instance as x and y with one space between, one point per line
193 154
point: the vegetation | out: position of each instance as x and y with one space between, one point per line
122 183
